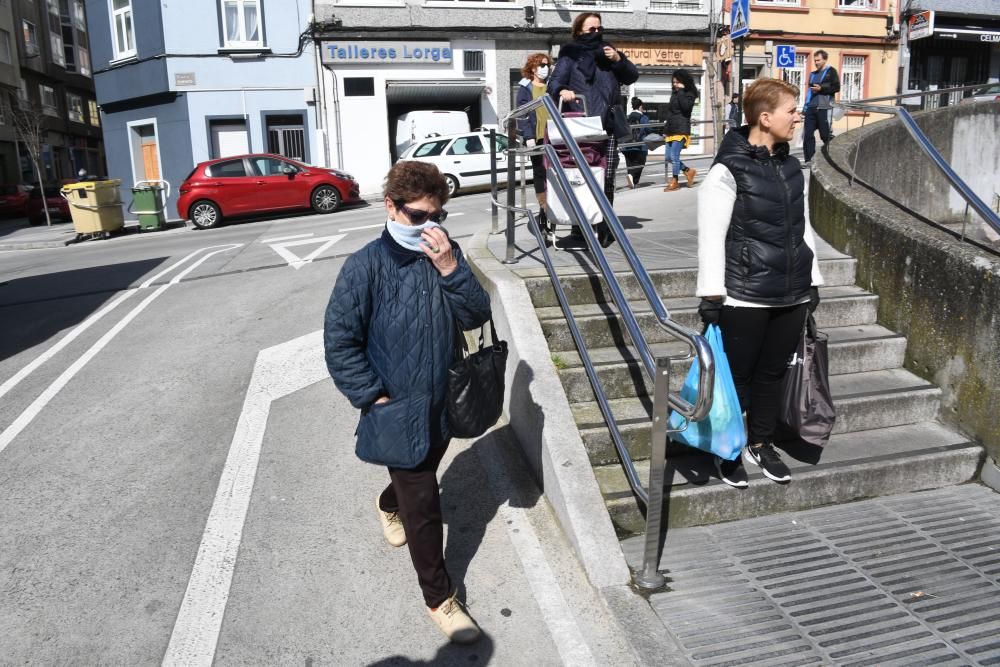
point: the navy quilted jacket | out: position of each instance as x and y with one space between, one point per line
389 330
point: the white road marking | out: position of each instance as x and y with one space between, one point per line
26 417
455 215
286 238
297 262
279 371
86 324
354 229
569 641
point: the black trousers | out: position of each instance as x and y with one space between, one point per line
759 343
815 119
414 494
538 173
635 161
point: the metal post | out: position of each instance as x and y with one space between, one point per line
739 79
524 183
511 183
494 215
650 576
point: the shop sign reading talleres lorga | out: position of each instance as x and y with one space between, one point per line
398 53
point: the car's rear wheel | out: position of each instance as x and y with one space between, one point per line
452 184
325 199
205 214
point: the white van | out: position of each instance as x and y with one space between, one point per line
416 125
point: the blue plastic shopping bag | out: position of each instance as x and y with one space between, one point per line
721 433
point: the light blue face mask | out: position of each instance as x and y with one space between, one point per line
408 236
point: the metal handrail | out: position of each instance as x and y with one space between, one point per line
657 369
910 124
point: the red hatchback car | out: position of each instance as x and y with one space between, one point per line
260 183
57 204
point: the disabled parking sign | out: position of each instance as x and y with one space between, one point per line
785 55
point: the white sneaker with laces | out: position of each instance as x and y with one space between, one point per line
454 621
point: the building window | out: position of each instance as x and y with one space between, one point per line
286 135
83 56
474 61
778 3
359 86
852 78
229 137
798 76
30 35
863 5
48 96
74 108
94 113
590 4
241 23
5 55
123 36
79 17
690 6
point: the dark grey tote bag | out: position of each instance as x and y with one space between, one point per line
807 406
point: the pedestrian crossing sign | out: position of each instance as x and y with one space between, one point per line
739 19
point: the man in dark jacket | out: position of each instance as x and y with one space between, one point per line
824 83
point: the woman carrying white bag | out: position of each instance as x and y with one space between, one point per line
596 71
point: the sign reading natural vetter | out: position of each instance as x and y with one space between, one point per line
386 52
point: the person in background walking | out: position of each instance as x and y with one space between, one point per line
678 130
824 83
635 156
389 335
589 67
733 113
758 273
532 127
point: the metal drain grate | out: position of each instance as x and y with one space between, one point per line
904 580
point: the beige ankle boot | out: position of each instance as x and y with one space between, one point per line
672 185
454 622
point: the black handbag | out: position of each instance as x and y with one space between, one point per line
617 124
476 385
807 403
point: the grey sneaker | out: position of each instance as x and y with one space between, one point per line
731 472
770 463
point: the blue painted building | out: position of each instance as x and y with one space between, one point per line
183 82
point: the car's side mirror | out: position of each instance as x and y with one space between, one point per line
287 171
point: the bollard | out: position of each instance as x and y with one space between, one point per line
650 577
511 184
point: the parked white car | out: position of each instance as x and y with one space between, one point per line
414 126
464 158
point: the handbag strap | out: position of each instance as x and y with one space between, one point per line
462 346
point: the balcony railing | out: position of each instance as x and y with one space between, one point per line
597 4
680 6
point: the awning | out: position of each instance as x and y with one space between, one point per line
413 92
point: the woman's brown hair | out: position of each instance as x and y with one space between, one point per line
578 22
409 181
534 60
765 95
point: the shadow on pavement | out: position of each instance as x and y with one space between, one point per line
479 653
36 308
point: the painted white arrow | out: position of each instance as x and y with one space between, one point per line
297 262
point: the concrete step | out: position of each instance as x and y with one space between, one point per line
856 349
864 401
583 287
599 323
855 465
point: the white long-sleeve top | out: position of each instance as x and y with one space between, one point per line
716 198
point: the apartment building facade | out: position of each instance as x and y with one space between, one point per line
53 59
383 58
10 85
183 82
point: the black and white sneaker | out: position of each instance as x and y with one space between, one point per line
769 461
731 472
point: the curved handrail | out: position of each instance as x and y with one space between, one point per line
910 124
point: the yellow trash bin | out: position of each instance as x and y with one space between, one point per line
95 206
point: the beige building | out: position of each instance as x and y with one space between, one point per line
861 37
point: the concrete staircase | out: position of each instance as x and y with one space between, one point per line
886 440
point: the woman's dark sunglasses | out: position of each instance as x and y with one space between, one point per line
418 217
598 29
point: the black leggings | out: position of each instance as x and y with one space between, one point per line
414 494
538 173
759 342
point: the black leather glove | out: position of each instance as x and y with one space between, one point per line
813 299
710 311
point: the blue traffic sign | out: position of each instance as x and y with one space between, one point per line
739 19
784 56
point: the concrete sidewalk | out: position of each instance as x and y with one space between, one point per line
18 234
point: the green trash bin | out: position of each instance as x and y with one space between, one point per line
149 204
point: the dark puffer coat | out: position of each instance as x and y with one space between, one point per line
390 330
601 90
679 113
767 258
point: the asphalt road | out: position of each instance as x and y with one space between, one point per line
177 478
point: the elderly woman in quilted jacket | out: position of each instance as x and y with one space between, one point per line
390 333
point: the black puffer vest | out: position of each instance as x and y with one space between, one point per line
767 258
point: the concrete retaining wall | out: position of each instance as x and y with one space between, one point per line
940 292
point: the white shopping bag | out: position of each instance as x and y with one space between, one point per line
558 205
582 128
